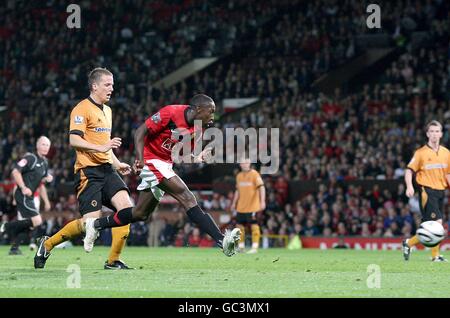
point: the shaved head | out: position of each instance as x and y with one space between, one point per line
201 100
43 139
204 108
43 145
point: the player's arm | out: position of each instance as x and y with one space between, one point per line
23 165
139 138
152 126
122 167
262 197
235 200
262 191
412 167
77 142
17 176
44 195
409 183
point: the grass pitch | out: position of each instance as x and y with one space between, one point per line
193 272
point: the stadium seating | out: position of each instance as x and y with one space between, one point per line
276 51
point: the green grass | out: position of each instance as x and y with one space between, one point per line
191 272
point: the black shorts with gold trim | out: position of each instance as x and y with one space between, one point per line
246 218
95 187
431 203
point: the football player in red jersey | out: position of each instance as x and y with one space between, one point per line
153 143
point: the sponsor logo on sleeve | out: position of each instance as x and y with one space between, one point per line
156 118
22 163
78 120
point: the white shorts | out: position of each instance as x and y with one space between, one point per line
151 175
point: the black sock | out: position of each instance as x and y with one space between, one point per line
16 227
34 235
120 218
206 223
19 238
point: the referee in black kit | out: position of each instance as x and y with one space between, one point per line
28 173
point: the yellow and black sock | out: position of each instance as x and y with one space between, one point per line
242 239
413 241
119 238
70 231
256 235
435 251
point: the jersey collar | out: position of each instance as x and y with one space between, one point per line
436 152
96 104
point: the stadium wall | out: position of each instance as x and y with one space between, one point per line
361 243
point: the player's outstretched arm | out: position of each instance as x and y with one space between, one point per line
139 138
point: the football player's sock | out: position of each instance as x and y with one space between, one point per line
119 238
242 239
34 236
71 230
14 243
19 238
205 222
435 251
256 235
413 241
120 218
16 227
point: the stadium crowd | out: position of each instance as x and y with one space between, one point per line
280 52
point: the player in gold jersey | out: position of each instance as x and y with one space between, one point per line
97 182
249 199
431 166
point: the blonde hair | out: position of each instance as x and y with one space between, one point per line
96 74
433 123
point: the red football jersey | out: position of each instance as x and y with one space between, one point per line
165 128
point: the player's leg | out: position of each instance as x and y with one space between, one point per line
179 190
35 231
241 222
26 213
149 196
147 203
145 206
256 233
413 241
13 229
88 185
116 196
434 208
121 201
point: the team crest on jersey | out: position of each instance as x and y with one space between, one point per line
22 163
78 119
156 118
